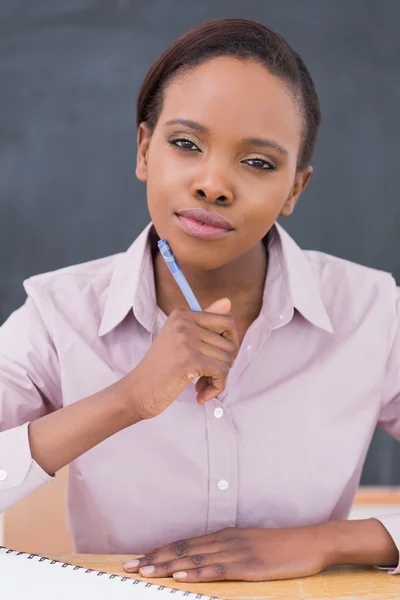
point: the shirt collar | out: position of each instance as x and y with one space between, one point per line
132 284
301 277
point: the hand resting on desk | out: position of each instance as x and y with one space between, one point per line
268 554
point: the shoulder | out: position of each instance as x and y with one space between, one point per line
353 291
333 269
74 277
77 291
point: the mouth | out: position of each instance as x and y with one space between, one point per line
201 230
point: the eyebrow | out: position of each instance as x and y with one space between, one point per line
252 141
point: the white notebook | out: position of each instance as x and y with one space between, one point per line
29 576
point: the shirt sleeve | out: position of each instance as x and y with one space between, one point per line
29 389
389 417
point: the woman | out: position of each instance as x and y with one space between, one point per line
249 472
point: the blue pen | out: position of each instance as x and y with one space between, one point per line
179 277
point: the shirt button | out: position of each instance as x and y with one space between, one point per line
3 475
223 485
281 317
248 348
218 412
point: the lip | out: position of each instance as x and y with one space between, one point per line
203 232
206 216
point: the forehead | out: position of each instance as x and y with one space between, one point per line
238 97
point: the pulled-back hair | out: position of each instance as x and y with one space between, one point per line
242 39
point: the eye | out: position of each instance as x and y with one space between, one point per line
183 144
261 164
187 145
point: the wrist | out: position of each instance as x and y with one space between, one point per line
358 542
125 393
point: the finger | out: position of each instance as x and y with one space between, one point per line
201 384
194 561
220 323
184 549
224 325
176 550
217 572
215 386
218 341
214 353
215 375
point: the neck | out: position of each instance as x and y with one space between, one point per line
242 281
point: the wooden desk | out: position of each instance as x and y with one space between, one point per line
340 583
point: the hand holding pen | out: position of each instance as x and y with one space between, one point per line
192 343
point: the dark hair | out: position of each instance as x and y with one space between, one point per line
243 39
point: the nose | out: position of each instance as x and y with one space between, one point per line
211 185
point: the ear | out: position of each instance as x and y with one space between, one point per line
301 181
143 142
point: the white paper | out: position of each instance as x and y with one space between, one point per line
35 578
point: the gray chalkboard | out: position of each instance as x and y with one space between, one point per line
70 71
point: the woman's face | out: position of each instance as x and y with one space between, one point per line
218 166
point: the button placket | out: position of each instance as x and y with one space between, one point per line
222 452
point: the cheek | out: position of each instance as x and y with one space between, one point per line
167 182
269 194
266 203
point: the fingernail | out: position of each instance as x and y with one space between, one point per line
147 570
180 575
131 564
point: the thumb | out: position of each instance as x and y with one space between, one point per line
222 306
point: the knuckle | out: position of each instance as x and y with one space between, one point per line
148 559
151 556
230 350
232 347
220 569
230 324
197 559
218 368
177 314
191 374
231 359
228 320
182 340
180 548
225 370
181 326
199 573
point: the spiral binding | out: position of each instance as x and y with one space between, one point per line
177 593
